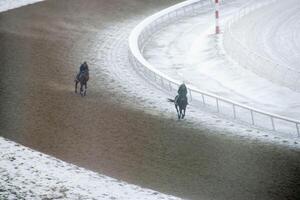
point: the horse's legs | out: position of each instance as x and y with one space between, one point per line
76 83
81 88
84 93
183 114
180 111
177 111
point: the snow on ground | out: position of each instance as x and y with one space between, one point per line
28 174
273 31
11 4
190 51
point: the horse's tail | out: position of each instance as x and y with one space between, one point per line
170 100
76 78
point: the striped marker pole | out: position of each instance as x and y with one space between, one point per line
217 16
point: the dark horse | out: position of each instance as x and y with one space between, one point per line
181 102
82 78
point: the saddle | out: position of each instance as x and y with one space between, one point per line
179 98
83 73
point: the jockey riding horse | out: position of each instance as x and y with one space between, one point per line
83 67
180 101
182 92
82 77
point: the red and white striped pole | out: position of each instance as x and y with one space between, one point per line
217 16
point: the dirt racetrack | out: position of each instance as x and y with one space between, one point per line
42 46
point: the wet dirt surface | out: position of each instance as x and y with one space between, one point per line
42 46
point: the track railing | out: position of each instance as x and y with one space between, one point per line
141 35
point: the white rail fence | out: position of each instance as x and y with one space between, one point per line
263 66
143 32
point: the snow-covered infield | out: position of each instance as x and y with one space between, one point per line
28 174
238 110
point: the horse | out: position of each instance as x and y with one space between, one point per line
181 102
82 78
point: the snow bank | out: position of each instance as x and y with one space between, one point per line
28 174
11 4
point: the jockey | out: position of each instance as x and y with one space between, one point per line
182 92
83 67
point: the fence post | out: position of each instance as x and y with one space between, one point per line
203 99
297 126
191 94
217 101
273 125
217 16
252 117
234 112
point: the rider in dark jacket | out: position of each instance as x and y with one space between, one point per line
83 67
182 92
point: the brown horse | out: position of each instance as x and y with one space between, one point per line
82 78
